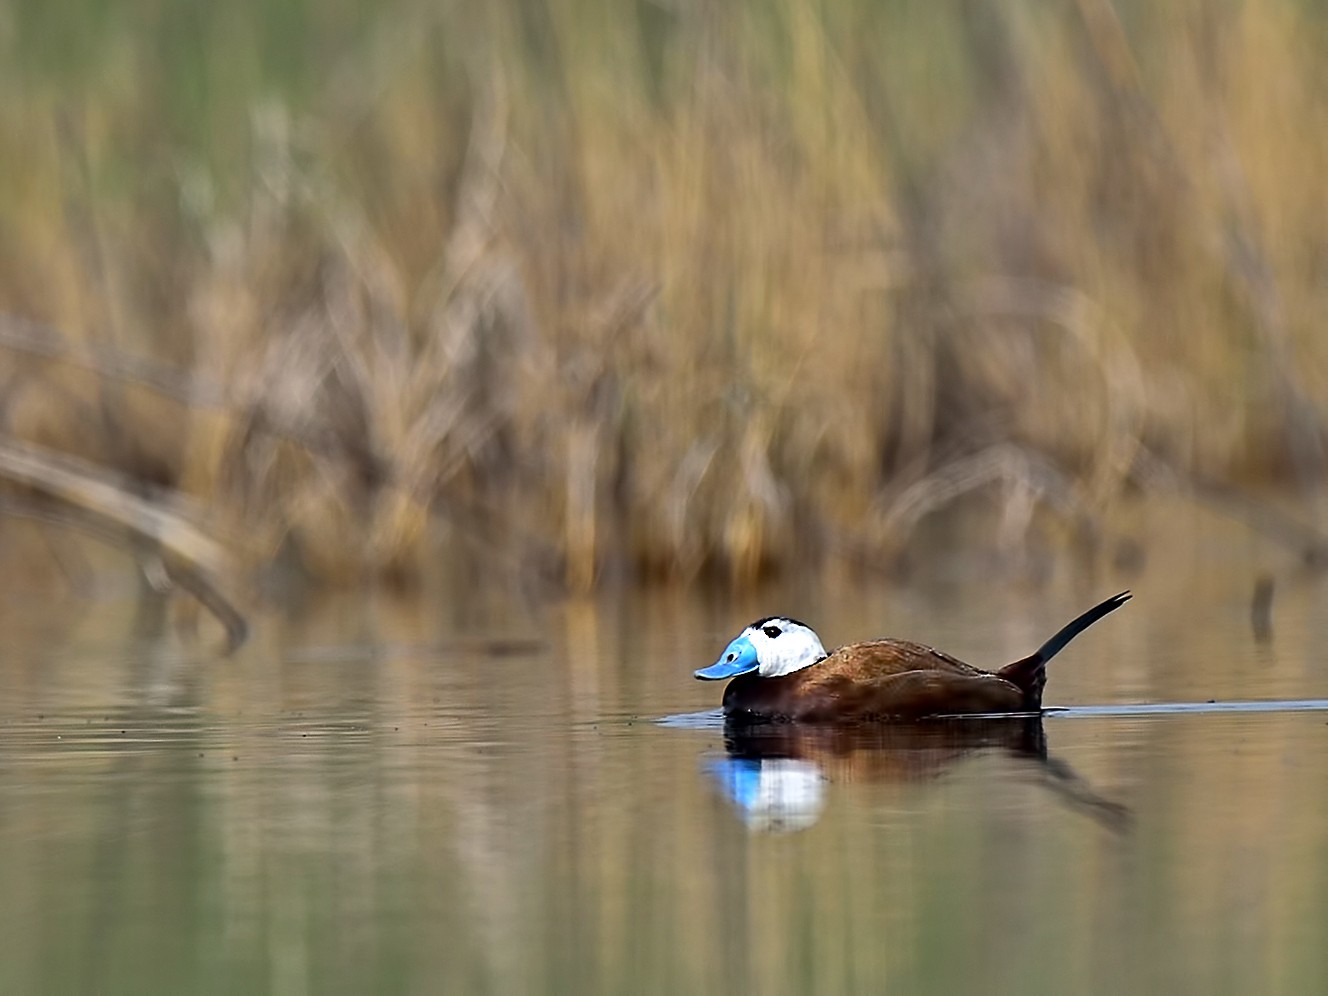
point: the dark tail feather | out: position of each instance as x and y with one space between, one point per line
1030 673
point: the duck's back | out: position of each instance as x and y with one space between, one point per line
877 679
885 658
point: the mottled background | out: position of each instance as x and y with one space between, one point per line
491 364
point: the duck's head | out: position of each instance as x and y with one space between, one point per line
770 647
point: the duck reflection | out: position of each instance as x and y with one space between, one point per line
772 793
776 774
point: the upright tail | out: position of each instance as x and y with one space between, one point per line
1030 673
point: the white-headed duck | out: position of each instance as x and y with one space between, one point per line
781 672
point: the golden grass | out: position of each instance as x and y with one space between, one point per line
666 289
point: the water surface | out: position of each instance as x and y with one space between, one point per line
379 795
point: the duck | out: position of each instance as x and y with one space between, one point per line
779 671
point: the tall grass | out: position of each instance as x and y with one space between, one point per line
660 289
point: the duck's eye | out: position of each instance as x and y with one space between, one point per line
771 631
730 658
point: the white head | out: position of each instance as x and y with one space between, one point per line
770 647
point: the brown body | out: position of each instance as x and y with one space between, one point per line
895 679
883 679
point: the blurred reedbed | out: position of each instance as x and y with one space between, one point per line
596 291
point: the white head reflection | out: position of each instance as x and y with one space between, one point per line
772 794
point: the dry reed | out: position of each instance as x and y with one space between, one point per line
665 290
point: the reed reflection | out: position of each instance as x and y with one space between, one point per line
776 774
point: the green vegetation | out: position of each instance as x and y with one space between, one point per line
659 288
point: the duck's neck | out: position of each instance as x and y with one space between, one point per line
779 669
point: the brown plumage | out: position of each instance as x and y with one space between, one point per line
895 679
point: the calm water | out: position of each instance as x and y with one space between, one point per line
407 797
